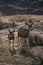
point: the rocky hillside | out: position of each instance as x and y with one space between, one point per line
13 7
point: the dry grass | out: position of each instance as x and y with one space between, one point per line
5 56
18 18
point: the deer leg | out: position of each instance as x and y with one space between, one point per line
13 44
9 44
27 42
18 42
28 45
21 42
18 39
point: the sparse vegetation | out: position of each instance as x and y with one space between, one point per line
5 55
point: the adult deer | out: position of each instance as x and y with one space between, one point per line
24 32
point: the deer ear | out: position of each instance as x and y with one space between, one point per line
25 23
13 30
9 30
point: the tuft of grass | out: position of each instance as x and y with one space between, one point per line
3 51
